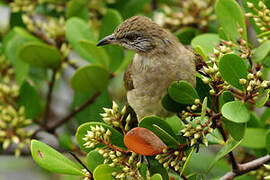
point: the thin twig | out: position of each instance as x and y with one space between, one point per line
49 98
235 167
79 161
247 167
73 113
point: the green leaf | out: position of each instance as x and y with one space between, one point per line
255 121
230 17
116 137
127 59
108 24
203 90
230 145
76 30
254 138
187 161
204 107
170 141
65 141
94 159
156 177
175 123
98 54
50 159
261 52
148 123
156 167
267 141
186 34
30 99
236 130
225 97
228 71
11 45
171 105
235 111
130 8
77 8
198 49
104 172
183 92
43 56
92 112
262 98
90 79
207 42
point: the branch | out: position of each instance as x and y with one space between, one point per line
235 166
73 113
49 98
244 168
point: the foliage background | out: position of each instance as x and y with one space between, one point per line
73 27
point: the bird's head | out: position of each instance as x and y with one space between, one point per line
140 34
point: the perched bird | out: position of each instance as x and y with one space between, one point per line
159 60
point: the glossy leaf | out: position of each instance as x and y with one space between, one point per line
171 105
156 177
156 167
267 141
175 123
98 54
30 99
235 111
149 121
236 130
51 160
254 138
255 121
77 8
198 49
187 161
261 52
171 142
186 34
76 30
131 7
230 17
43 56
11 45
116 137
182 92
262 98
230 145
231 74
94 159
204 108
225 97
92 112
108 24
104 172
90 79
207 42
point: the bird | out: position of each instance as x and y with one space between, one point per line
160 59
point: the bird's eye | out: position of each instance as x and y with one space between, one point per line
131 37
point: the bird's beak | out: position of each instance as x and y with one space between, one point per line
107 40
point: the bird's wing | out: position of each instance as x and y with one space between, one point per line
128 82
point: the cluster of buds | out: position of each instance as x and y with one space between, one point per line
8 92
254 82
186 13
129 164
27 6
261 16
261 173
6 70
197 133
189 112
115 117
172 158
87 175
212 75
12 128
97 135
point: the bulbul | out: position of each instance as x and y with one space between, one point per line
160 59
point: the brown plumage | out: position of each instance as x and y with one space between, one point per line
159 60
